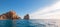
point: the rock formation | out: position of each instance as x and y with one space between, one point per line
26 17
9 15
12 15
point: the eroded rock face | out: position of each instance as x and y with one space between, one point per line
26 16
9 15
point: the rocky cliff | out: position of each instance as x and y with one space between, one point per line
26 16
9 15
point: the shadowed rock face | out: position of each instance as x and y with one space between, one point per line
26 16
9 15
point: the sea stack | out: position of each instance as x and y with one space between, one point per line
26 17
9 15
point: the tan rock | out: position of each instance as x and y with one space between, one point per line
13 15
9 15
3 17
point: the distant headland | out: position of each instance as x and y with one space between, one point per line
12 15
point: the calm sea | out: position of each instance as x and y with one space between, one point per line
29 23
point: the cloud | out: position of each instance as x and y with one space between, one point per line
48 12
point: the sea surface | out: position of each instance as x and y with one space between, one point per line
30 23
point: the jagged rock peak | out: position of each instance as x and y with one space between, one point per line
26 16
11 12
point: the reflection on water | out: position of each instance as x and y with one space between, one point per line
29 23
5 23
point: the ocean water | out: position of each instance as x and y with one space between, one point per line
30 23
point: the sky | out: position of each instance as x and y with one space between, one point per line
48 12
37 9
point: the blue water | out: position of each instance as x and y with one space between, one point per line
22 23
5 23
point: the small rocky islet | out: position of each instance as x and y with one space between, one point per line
12 15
